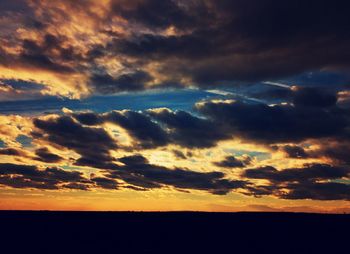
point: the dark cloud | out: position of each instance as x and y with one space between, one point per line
336 150
223 120
313 97
261 190
139 172
274 124
134 160
24 176
309 172
11 152
93 144
318 191
36 24
300 96
295 152
236 40
141 127
105 183
155 14
190 42
44 56
88 118
76 186
106 84
188 130
50 178
44 155
156 47
233 162
160 127
313 181
15 6
44 51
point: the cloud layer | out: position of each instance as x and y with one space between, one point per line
117 146
257 100
88 47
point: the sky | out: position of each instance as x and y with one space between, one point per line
174 105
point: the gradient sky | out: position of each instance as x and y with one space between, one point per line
155 105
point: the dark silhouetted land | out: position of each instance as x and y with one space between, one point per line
173 232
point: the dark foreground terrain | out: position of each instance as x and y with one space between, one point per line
179 232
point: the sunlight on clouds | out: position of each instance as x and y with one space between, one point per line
55 84
266 133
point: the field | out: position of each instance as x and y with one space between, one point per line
173 232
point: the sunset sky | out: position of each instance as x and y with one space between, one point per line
163 105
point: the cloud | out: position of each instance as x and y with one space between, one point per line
48 53
313 97
313 181
50 178
134 160
214 121
79 48
298 95
238 41
44 155
24 176
275 124
113 46
11 152
188 130
67 133
141 127
160 127
106 84
151 13
41 56
287 128
309 172
318 191
139 172
337 150
13 6
87 132
295 152
233 162
105 183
